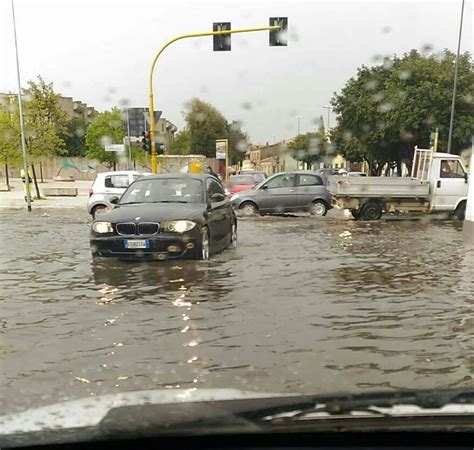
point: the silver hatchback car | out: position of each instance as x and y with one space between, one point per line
107 185
286 192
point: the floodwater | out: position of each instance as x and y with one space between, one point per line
309 305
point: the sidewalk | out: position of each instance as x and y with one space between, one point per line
15 197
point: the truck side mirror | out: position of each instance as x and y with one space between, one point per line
466 177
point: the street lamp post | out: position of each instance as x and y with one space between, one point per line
129 143
22 125
456 65
299 118
329 117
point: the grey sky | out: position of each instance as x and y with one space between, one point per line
100 51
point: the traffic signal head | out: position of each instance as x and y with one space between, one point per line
145 141
221 41
279 38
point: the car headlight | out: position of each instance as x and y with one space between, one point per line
179 226
102 227
234 197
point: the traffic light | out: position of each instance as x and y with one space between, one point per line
221 41
145 141
279 38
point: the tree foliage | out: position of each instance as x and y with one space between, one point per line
385 110
204 125
9 137
45 122
106 129
310 147
75 137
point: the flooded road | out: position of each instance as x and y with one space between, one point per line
302 305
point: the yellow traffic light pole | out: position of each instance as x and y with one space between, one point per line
151 110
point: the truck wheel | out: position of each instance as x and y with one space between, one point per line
371 211
355 213
460 212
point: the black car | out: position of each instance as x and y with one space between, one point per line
167 216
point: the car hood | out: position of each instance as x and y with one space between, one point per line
155 212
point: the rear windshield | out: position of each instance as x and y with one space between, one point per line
241 179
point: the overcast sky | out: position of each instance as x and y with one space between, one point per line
99 51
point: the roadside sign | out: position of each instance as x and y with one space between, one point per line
157 117
221 149
115 148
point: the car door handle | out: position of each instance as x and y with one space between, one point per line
291 190
438 184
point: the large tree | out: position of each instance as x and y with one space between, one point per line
75 137
45 121
385 110
9 141
204 125
310 147
106 129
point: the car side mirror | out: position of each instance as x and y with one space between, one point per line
265 186
114 200
217 197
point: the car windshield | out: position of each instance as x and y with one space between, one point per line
164 190
207 200
241 180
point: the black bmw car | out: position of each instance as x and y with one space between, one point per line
167 216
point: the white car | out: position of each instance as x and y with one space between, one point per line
107 185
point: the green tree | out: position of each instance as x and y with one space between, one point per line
238 142
45 122
205 124
75 137
106 129
181 143
9 141
310 147
385 110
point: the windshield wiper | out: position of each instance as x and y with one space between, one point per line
417 402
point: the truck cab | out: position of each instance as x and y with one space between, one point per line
448 182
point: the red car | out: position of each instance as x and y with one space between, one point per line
239 183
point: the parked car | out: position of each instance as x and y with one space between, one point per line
258 176
239 183
107 185
167 216
356 174
284 192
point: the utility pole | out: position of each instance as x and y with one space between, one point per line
455 84
22 125
129 142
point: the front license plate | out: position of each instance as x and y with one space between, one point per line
137 243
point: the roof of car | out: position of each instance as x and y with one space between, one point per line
195 176
118 172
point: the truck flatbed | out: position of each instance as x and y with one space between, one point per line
387 187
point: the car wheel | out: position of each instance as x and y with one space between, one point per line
460 212
98 210
371 211
233 235
205 245
248 208
318 208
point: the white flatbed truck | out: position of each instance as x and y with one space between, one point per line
438 184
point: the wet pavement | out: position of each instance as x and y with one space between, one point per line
311 305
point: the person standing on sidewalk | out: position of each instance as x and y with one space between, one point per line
30 180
